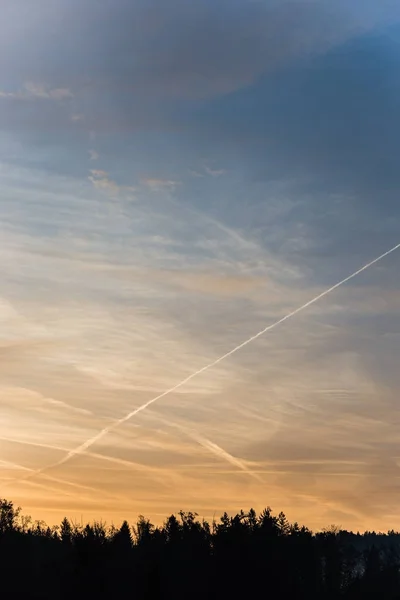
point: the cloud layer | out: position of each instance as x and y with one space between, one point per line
174 177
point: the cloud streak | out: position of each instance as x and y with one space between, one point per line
91 441
171 176
34 91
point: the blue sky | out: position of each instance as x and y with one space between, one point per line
174 176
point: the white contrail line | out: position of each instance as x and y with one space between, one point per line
223 454
212 447
81 449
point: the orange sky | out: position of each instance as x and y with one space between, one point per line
174 177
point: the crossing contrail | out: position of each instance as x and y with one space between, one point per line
83 447
223 454
213 448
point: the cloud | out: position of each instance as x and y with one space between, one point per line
213 325
17 467
98 173
38 91
4 94
157 185
101 181
115 301
214 172
195 173
339 144
76 117
207 171
224 284
93 155
193 50
36 108
42 91
16 396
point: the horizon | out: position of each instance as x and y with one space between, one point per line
177 178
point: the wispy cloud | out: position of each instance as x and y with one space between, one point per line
214 172
101 181
17 397
77 117
157 185
39 91
207 170
93 155
200 224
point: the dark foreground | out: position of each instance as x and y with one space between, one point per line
246 556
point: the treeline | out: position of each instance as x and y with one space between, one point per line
244 556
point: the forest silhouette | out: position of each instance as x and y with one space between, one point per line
248 555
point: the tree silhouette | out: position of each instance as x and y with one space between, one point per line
239 556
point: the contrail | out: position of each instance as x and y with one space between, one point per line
223 454
83 447
42 485
32 472
213 448
105 457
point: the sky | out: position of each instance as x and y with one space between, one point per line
175 176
